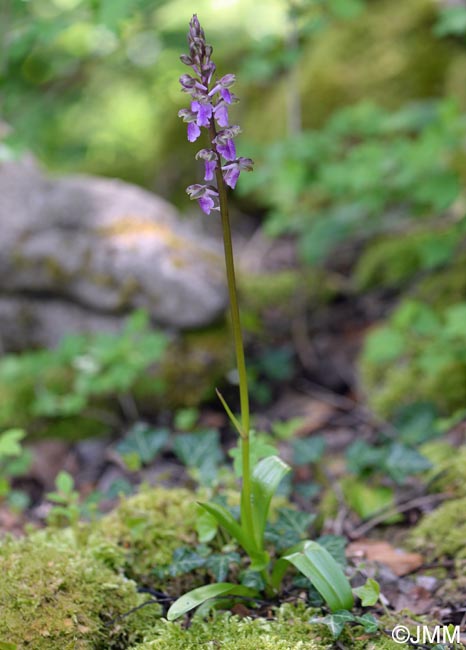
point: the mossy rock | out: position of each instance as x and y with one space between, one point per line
417 355
146 529
393 261
445 287
280 291
388 54
448 472
442 532
54 596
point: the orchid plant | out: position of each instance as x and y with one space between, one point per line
209 106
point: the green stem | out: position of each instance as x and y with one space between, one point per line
246 506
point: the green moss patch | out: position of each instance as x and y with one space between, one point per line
56 597
443 532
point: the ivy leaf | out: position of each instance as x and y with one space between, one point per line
200 451
308 450
335 545
141 445
368 593
219 564
404 461
335 622
185 560
369 623
290 528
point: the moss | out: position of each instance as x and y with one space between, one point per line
146 528
449 467
442 532
388 54
281 290
54 596
290 630
445 287
190 369
392 261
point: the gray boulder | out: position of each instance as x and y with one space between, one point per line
81 252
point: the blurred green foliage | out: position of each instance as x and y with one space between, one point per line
354 113
418 355
369 170
69 391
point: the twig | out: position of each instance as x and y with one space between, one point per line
388 512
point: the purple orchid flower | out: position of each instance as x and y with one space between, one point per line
209 107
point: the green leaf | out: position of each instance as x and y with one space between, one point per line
364 498
308 450
404 461
229 523
10 442
185 560
335 545
185 419
335 622
200 450
4 645
64 483
196 597
142 443
219 564
260 446
368 593
289 528
206 526
265 479
316 563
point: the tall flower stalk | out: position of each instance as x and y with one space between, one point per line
209 105
209 109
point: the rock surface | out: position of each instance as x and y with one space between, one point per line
81 252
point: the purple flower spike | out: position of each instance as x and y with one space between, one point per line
210 99
231 176
221 114
227 150
210 166
193 131
206 204
226 95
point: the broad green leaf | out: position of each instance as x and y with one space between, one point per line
206 525
266 477
260 446
316 563
5 645
196 597
368 593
